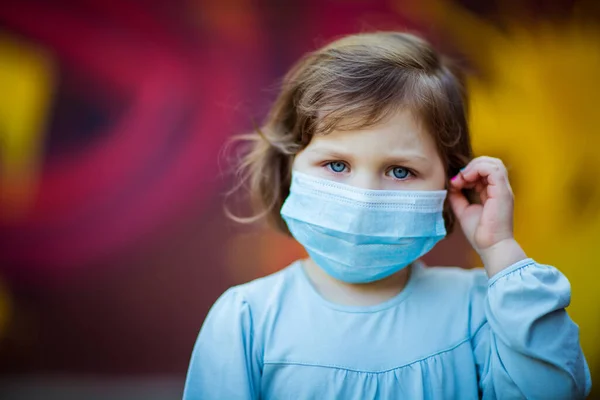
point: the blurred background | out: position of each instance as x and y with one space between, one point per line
113 241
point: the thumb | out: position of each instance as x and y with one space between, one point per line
458 202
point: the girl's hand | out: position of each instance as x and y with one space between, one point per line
488 226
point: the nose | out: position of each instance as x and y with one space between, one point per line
366 180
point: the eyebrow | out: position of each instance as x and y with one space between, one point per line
330 152
391 157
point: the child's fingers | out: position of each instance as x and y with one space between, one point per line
483 159
484 168
459 182
458 202
487 167
465 179
487 171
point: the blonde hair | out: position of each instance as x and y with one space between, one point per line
353 83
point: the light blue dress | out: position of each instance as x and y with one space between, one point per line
450 334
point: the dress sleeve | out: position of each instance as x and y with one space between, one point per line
225 362
525 345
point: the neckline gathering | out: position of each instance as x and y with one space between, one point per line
416 269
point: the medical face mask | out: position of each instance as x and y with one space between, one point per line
359 235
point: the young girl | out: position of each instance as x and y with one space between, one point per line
360 161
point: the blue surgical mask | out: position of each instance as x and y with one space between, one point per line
360 235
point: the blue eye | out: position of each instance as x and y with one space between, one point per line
337 166
400 172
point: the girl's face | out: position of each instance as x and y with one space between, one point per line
397 154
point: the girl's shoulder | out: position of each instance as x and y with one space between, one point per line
448 285
460 292
263 293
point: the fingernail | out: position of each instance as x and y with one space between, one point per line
463 168
453 178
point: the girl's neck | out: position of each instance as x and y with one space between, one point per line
351 294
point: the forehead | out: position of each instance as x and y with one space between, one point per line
401 131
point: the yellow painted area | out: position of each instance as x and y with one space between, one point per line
535 105
27 82
538 115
